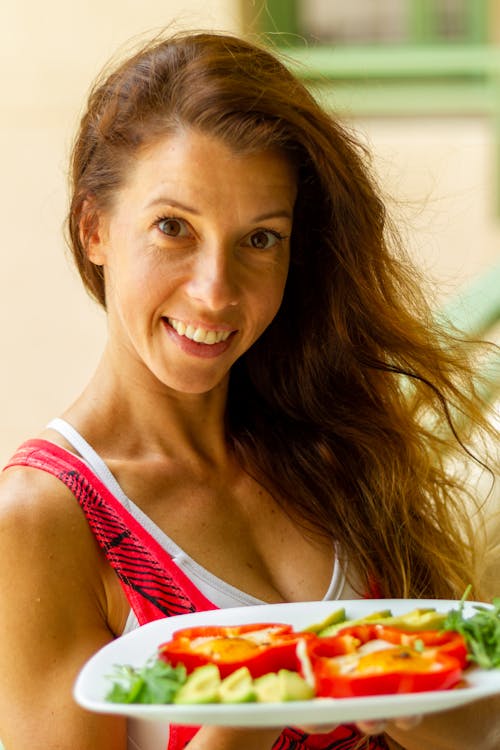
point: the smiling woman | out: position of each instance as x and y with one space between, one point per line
272 417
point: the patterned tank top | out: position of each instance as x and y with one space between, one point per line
153 583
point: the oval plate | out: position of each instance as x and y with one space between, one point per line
137 647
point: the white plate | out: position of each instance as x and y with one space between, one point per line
137 647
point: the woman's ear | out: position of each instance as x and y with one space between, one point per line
93 232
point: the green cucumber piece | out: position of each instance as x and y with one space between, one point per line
202 686
237 687
371 618
284 685
336 617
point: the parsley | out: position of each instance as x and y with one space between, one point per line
481 632
156 682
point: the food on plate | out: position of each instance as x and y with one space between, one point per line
481 633
378 654
283 686
155 682
368 637
202 686
262 648
376 660
238 687
393 670
417 619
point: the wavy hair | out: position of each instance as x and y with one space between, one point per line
348 408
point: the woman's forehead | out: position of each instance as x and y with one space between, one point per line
194 167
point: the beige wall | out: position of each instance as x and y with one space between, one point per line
440 175
51 333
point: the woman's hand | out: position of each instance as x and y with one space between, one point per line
473 725
229 738
379 726
367 727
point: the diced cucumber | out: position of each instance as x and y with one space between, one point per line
237 687
334 618
202 686
282 686
373 617
417 619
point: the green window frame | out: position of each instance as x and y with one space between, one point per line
427 76
283 16
424 25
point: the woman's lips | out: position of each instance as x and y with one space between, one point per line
199 348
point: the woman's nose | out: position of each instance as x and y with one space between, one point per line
212 280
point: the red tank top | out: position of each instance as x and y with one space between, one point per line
153 583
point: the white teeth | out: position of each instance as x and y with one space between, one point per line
201 335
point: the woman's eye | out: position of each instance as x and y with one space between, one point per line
263 239
173 227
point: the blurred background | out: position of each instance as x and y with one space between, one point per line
418 80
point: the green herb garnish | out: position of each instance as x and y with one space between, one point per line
155 682
481 632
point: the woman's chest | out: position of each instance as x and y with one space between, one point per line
235 530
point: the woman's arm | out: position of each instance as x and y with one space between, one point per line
52 618
221 738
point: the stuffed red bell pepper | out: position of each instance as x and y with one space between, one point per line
262 648
375 659
444 641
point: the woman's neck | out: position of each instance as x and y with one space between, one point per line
131 412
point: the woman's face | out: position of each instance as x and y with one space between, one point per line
195 251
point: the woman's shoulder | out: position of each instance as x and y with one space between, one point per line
33 497
31 490
43 530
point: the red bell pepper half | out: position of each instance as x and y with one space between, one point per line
444 641
416 662
262 648
394 670
349 639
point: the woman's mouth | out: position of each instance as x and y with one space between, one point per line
198 333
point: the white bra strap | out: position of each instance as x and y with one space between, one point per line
89 454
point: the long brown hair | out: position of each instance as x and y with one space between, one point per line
344 407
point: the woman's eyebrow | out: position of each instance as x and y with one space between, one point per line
164 199
283 213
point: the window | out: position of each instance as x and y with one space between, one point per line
381 21
394 57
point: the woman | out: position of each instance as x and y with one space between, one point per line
272 396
